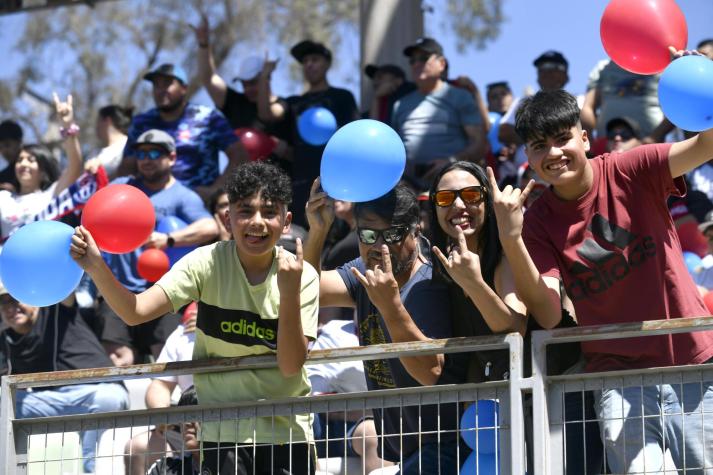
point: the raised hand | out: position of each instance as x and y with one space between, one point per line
461 264
202 31
84 250
507 205
65 110
380 284
675 54
319 208
289 269
268 66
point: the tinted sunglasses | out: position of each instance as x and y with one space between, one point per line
392 235
419 58
471 195
625 134
150 154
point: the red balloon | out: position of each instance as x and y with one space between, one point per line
258 144
636 34
152 264
691 238
120 218
708 300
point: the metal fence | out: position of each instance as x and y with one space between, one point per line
49 445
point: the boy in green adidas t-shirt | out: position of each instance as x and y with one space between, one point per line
253 298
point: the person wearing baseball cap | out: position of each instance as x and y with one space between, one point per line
155 154
240 108
315 59
389 85
199 132
438 122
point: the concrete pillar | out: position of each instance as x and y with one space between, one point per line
386 28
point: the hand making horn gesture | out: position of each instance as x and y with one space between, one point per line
380 284
461 264
508 204
65 110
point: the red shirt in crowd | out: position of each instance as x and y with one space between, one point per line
618 254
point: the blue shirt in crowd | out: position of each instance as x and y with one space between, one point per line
176 200
200 134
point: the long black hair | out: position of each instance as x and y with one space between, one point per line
46 164
489 249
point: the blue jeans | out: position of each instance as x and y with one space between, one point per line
430 456
639 424
77 399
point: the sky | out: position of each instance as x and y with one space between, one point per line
530 27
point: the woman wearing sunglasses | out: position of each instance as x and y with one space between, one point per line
37 180
470 259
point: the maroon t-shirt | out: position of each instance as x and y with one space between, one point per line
618 254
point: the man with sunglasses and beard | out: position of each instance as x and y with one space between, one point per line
395 299
155 153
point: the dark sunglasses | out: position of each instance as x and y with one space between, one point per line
471 195
392 235
419 58
625 134
150 154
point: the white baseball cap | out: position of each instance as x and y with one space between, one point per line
250 67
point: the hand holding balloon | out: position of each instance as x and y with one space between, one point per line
84 250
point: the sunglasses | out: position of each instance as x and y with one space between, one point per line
392 235
471 195
625 134
150 154
419 58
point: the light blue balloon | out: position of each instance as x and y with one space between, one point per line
480 464
693 262
35 265
686 93
362 161
495 144
316 125
483 416
168 225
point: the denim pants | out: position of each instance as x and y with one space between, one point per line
639 424
77 399
434 460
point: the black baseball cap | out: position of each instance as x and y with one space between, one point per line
627 122
551 60
371 69
493 85
303 48
429 45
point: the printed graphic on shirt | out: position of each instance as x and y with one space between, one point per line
607 258
239 327
376 371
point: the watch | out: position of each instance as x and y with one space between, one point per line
170 242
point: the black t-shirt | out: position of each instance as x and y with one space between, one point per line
59 340
7 175
241 112
427 303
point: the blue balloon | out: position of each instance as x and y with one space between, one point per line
168 225
480 464
316 125
685 93
483 416
495 144
362 161
35 265
693 262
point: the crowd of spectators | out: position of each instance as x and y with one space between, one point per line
304 271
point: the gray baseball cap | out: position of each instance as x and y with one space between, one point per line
156 137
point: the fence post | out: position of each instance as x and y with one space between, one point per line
517 426
8 456
541 465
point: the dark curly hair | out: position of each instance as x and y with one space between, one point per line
490 250
251 178
546 114
399 207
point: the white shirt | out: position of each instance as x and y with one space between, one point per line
178 347
110 156
343 377
17 210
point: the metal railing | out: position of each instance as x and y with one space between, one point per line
16 434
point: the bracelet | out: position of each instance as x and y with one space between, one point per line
71 131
